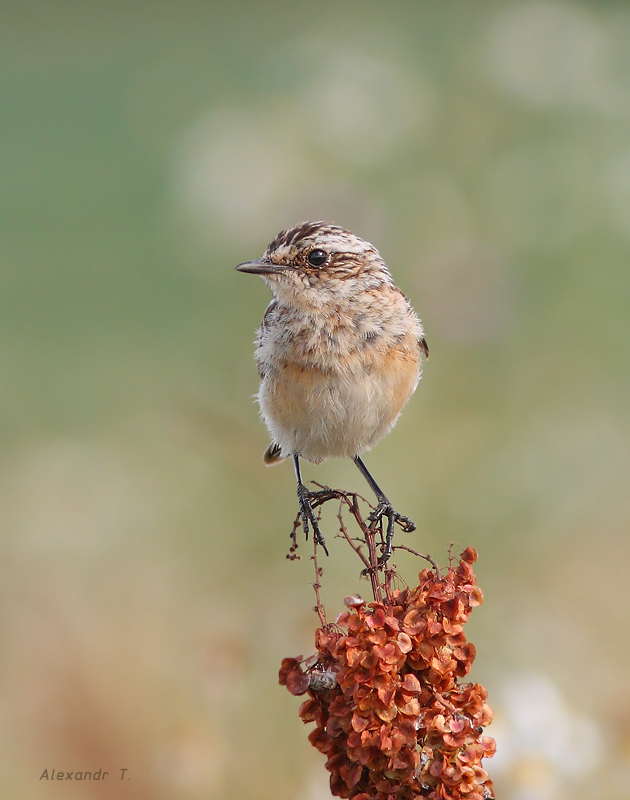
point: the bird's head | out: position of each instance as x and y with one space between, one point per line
316 263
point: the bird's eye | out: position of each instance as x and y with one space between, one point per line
317 258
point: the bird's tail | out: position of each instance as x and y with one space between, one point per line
273 455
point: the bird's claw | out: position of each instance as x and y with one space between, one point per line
308 515
385 509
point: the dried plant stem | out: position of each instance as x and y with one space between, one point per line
318 586
420 555
371 563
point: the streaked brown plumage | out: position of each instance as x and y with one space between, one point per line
339 352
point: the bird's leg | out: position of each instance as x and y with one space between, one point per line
306 509
384 509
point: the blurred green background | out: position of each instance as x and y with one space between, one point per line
147 148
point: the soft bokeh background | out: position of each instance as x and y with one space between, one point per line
148 147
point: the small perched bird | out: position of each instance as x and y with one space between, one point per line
339 353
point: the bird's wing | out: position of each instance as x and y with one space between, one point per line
262 332
267 318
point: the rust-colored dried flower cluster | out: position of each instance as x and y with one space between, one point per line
390 713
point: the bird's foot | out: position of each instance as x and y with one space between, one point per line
385 509
308 515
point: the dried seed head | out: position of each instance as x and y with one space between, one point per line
389 712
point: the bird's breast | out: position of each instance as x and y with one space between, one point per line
321 410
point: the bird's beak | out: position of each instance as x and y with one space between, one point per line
261 267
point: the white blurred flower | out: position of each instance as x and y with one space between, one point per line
360 107
542 744
234 167
550 55
243 176
244 173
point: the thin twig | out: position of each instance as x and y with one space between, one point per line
321 613
292 555
341 493
390 573
344 531
369 533
420 555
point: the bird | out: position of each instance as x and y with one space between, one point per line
339 353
